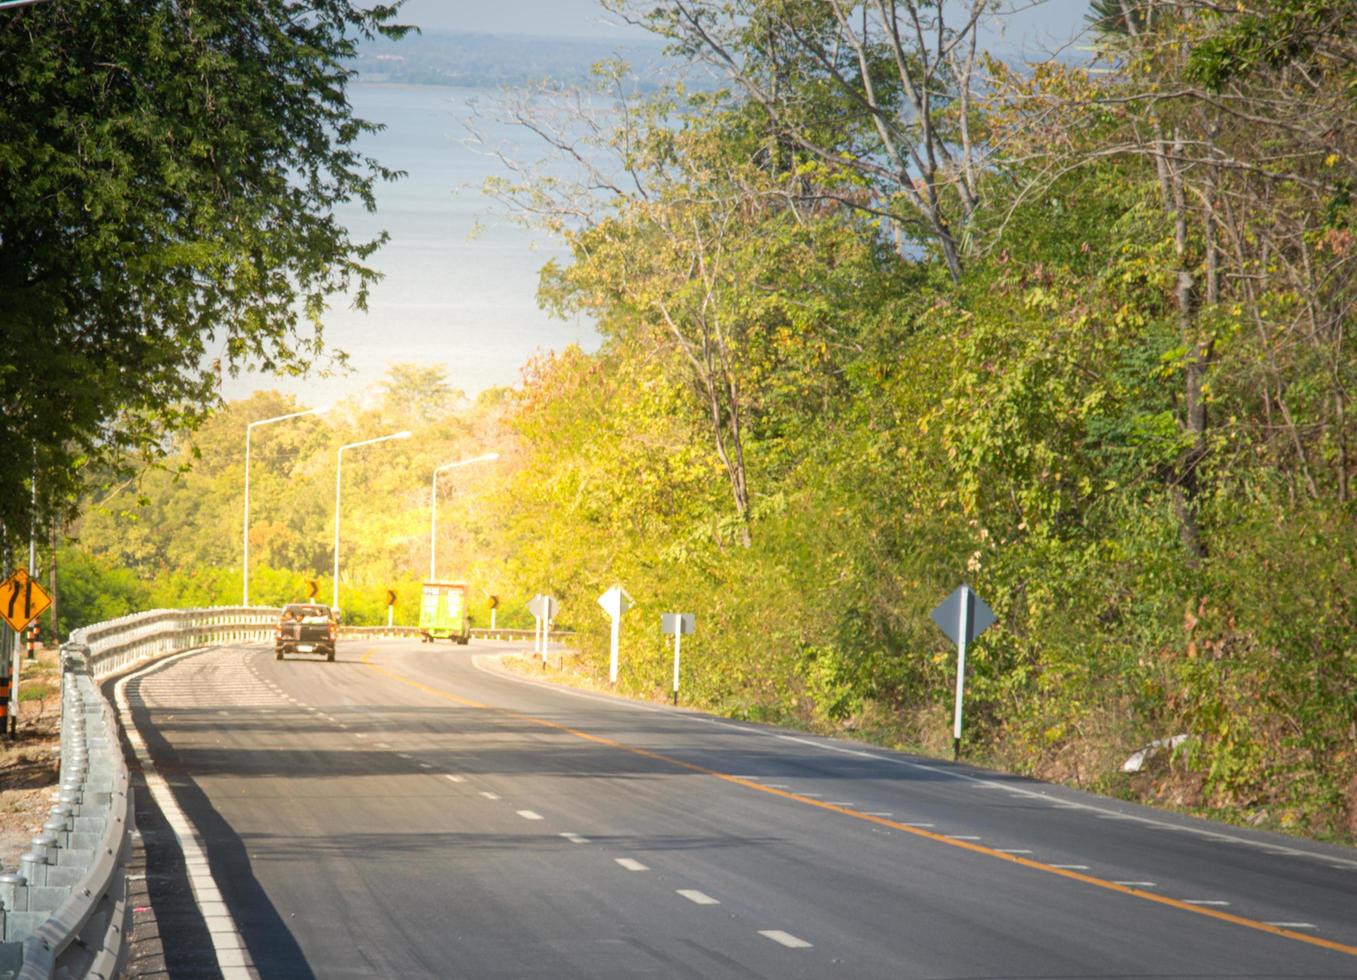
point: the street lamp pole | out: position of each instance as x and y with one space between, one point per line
339 472
245 550
433 507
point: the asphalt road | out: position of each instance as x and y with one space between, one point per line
413 811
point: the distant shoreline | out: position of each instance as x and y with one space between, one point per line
457 60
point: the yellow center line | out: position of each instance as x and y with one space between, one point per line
1018 859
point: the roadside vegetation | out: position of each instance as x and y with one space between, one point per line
877 320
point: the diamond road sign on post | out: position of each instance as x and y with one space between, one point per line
979 616
543 606
615 602
22 600
963 616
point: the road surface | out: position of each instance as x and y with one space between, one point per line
415 811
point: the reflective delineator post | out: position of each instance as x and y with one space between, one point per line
962 630
678 640
612 656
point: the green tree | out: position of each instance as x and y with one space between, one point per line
168 181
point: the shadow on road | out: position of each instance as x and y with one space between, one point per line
182 932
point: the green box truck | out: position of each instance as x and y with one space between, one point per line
442 612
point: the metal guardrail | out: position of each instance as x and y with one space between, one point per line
64 912
477 633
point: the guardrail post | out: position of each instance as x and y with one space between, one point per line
13 897
33 863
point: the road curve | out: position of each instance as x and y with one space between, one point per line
414 811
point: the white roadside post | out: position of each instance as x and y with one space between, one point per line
963 616
548 614
390 608
534 607
678 624
615 602
543 608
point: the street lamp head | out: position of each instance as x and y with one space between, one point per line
485 458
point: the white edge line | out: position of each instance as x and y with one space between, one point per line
1334 862
227 943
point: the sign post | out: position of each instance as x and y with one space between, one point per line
615 602
312 589
390 607
963 616
494 604
22 600
677 624
543 608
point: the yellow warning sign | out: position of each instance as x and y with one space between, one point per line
22 600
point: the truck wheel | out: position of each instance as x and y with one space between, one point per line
277 654
330 656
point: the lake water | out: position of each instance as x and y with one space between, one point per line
460 280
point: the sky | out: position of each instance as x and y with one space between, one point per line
459 286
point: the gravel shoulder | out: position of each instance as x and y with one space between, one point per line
29 763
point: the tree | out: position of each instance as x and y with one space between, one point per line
168 181
418 394
880 90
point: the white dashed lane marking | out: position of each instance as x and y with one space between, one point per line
575 838
631 864
785 938
454 779
489 796
697 897
529 815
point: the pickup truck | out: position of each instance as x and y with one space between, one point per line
306 628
